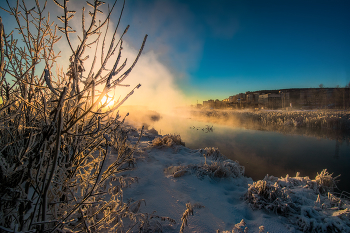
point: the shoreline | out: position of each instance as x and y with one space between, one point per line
169 177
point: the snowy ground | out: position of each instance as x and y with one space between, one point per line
171 175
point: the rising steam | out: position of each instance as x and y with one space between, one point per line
158 91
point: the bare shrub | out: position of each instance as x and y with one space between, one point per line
56 134
146 222
213 153
219 166
326 182
240 227
168 140
214 170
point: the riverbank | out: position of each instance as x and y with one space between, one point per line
171 175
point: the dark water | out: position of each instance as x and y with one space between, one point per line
265 152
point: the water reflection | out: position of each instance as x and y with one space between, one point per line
264 152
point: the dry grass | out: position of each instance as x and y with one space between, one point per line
326 182
241 227
212 153
214 170
169 140
187 213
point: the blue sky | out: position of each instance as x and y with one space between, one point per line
215 49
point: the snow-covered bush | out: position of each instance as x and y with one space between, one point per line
303 201
240 227
153 131
213 153
168 140
145 222
218 166
214 169
56 133
326 182
217 170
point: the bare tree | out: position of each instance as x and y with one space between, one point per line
55 132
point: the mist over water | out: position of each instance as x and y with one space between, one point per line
262 152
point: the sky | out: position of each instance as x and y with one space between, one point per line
215 49
200 50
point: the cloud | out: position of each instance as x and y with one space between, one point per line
158 90
173 29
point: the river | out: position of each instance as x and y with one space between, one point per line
264 152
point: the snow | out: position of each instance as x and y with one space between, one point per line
171 175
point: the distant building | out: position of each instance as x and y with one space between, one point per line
241 96
286 98
314 97
249 97
219 104
270 100
208 104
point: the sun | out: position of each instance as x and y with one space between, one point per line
109 100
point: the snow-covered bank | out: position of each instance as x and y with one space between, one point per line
171 175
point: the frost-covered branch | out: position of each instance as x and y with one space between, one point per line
55 132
